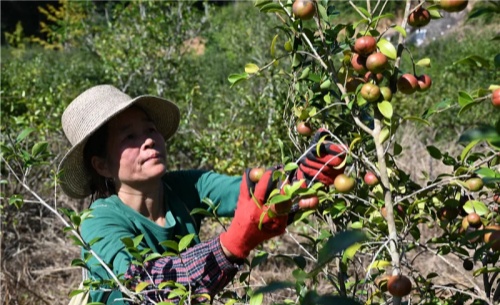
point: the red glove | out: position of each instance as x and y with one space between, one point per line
322 167
243 235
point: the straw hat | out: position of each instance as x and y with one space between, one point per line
91 110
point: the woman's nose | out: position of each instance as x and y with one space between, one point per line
149 143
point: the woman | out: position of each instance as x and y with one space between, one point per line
118 157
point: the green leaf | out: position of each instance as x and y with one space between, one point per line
424 62
201 212
128 242
272 8
379 264
384 134
476 206
26 132
496 60
336 244
39 148
464 98
273 48
171 244
434 152
387 48
400 29
236 78
363 11
434 12
141 286
259 258
350 252
260 3
137 240
256 299
152 256
251 68
480 133
76 292
467 149
420 120
474 61
290 167
186 241
487 172
274 286
385 108
279 199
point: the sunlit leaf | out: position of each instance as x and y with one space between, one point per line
186 241
474 61
273 48
256 299
26 132
424 62
385 108
251 68
400 29
387 48
476 206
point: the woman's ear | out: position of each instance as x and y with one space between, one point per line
100 166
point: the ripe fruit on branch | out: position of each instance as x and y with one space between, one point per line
376 62
407 83
474 184
386 93
495 98
474 220
399 285
370 179
344 183
304 9
493 237
365 45
358 63
420 17
424 82
255 174
370 92
310 202
453 5
304 128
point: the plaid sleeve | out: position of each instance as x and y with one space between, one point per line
202 269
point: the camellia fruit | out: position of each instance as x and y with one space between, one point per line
495 98
494 238
370 179
282 208
453 6
308 203
376 62
419 18
370 92
304 9
399 285
424 82
255 174
474 184
386 93
474 220
407 84
304 128
358 63
365 45
496 198
344 183
377 77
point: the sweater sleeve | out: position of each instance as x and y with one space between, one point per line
195 185
202 269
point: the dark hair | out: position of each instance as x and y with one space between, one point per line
100 187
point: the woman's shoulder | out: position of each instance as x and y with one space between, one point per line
110 204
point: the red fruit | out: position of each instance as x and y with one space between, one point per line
453 5
371 76
407 84
304 128
496 198
474 220
399 285
386 93
255 174
376 62
370 92
303 9
424 82
358 63
365 45
495 98
420 17
344 183
488 236
311 202
370 179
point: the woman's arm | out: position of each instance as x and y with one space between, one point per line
203 269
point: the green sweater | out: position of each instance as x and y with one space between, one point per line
112 220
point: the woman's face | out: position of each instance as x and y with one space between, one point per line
135 150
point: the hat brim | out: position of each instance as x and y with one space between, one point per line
75 178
